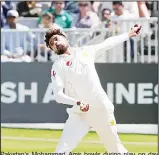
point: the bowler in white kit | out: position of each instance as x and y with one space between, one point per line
75 82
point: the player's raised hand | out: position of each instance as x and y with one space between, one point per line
83 107
135 30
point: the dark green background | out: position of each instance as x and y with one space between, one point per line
55 113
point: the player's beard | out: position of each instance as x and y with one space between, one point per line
61 49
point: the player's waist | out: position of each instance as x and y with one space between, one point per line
92 98
86 92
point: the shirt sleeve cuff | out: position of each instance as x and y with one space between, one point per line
126 35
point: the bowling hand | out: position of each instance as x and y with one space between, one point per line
83 107
135 31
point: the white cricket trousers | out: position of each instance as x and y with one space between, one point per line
101 119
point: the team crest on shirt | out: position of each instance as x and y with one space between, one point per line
85 54
68 63
53 74
112 122
63 18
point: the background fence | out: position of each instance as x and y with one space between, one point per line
142 49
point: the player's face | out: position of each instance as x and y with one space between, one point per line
59 44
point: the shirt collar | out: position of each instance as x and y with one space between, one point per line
67 55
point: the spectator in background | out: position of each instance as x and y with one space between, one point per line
62 18
29 9
6 6
132 7
95 6
18 57
16 43
106 17
72 7
143 11
3 19
121 13
46 22
86 18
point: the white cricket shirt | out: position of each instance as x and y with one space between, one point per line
74 77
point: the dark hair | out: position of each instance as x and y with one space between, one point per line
105 10
117 3
51 32
53 2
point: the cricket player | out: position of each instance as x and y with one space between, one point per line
75 82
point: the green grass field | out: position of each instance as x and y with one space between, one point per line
30 140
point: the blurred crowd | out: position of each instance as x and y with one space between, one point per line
63 14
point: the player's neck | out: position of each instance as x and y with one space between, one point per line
68 51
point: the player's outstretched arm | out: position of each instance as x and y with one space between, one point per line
117 40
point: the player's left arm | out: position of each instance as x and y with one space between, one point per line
117 40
